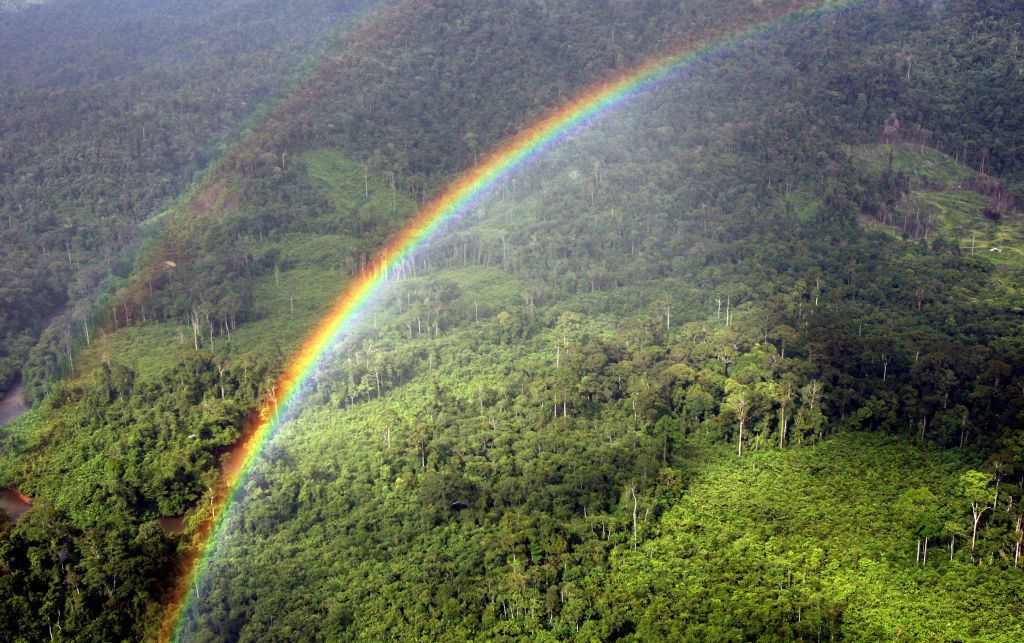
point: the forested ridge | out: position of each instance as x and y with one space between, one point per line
108 110
740 360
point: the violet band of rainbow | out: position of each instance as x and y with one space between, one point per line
517 151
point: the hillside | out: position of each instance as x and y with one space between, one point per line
108 111
724 364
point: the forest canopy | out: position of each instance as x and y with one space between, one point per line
741 359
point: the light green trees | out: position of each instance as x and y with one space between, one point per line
921 511
974 488
785 393
740 401
809 419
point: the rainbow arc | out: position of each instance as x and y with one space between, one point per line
424 226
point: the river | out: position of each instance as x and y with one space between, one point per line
231 462
172 524
13 403
13 503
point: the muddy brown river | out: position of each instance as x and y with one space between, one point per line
13 403
13 503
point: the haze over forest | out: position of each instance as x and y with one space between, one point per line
720 335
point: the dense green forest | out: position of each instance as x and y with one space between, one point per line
108 111
741 360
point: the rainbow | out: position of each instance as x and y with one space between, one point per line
424 226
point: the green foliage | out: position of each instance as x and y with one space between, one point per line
111 455
813 542
535 432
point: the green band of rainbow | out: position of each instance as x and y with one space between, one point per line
340 319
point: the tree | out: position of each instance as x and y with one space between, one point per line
740 402
974 487
809 419
785 393
921 513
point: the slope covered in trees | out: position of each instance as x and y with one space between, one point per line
705 370
108 110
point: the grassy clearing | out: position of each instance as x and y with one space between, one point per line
363 197
148 349
938 185
921 164
961 218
